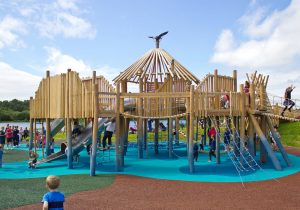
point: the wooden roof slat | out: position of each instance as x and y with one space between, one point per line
155 64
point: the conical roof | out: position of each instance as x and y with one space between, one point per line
155 64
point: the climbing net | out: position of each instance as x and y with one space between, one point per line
239 154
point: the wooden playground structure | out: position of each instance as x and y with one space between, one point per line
166 91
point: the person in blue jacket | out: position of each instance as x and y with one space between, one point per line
212 148
53 200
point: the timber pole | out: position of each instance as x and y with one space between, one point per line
140 120
242 120
95 127
118 132
31 126
69 132
218 155
177 131
251 132
191 132
48 128
156 124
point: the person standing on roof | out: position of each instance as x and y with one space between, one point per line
287 101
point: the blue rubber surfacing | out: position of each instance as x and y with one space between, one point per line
154 166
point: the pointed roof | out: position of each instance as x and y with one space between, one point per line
155 64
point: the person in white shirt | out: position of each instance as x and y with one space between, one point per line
110 129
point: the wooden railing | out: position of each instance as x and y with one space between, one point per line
67 95
217 83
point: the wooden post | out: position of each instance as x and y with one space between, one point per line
187 124
204 131
197 129
127 121
31 127
235 119
118 132
216 89
187 118
234 80
170 120
69 144
35 135
170 137
236 130
123 124
145 137
263 103
156 124
48 129
263 152
68 121
140 121
251 132
242 119
177 130
95 131
218 155
191 132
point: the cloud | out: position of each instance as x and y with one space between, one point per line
272 40
67 18
10 31
63 17
58 62
268 42
66 24
16 83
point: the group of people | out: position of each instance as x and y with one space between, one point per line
212 143
212 133
12 136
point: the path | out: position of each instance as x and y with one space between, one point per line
129 192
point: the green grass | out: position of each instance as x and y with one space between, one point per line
20 192
14 156
290 133
60 135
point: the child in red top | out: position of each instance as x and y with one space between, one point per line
9 135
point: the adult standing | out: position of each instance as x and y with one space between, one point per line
2 136
110 129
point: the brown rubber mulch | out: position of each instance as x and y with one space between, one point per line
129 192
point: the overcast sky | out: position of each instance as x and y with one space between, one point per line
109 35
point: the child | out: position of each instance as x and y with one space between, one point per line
32 159
52 146
53 199
212 148
195 151
1 154
227 139
201 143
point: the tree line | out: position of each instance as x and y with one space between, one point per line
14 110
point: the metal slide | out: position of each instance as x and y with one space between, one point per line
56 125
78 143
